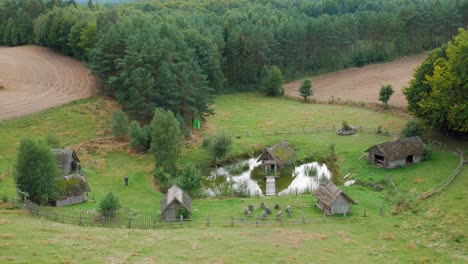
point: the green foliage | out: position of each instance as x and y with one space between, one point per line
345 125
184 212
52 140
36 171
119 126
163 179
412 128
166 139
219 148
306 89
438 93
139 137
238 168
273 83
109 205
427 154
189 179
385 93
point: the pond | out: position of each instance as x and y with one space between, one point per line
237 179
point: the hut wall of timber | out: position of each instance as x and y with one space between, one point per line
331 200
70 200
397 153
172 202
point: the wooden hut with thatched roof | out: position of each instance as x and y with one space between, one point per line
173 201
277 156
331 200
72 186
397 153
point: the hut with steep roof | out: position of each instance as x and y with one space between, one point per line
173 201
331 200
72 185
397 153
277 156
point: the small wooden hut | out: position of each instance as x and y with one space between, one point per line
173 201
397 153
331 200
72 186
277 156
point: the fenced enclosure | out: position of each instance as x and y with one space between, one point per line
237 133
121 220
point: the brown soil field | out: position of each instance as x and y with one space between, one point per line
363 84
36 78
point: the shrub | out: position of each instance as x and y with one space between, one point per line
206 143
219 148
109 205
305 91
184 212
385 93
427 154
163 178
379 130
52 140
238 168
119 125
190 180
139 137
412 128
345 125
273 83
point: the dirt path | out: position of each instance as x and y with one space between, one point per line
36 78
363 84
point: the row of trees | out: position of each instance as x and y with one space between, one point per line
176 54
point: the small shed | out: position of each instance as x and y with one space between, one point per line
397 153
331 200
72 185
277 156
173 201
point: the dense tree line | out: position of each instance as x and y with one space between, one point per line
438 94
175 54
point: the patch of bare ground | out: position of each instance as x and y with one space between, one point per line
362 85
35 78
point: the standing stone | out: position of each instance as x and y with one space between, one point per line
288 210
251 207
267 210
246 210
264 215
279 215
277 207
262 205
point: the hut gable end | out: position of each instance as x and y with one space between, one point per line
280 154
176 195
328 195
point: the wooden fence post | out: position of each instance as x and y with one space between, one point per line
324 217
129 223
181 220
232 220
281 219
364 212
207 221
80 219
303 219
154 223
381 211
256 221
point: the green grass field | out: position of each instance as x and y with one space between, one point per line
390 239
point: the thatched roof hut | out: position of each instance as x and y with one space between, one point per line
331 200
72 186
277 156
396 153
173 201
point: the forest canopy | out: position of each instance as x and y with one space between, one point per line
176 54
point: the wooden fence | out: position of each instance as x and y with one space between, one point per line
119 220
438 188
238 133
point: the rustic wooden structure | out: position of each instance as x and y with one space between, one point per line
277 156
397 153
331 200
72 186
172 202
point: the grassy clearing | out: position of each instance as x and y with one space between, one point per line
431 234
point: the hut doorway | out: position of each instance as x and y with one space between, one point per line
409 159
379 159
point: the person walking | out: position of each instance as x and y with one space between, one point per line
126 181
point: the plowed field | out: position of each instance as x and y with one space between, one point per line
36 78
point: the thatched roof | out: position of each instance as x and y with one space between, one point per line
328 192
72 185
282 153
401 148
176 194
64 158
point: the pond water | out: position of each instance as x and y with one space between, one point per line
304 178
